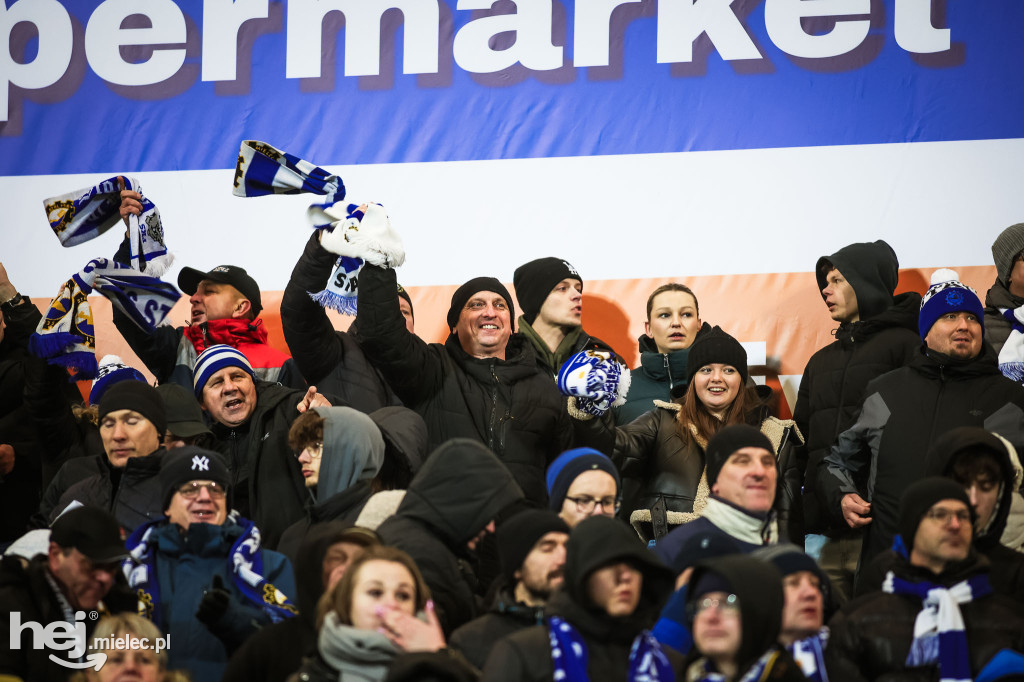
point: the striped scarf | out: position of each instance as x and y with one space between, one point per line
647 662
1011 355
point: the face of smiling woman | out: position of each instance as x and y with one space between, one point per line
717 386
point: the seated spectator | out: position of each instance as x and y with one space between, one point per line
582 483
936 616
135 656
735 605
201 574
450 506
185 425
340 451
673 323
613 589
531 546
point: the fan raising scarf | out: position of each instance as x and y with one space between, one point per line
647 662
77 217
939 635
245 563
1011 355
66 335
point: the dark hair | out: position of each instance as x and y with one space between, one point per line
307 428
825 267
971 465
671 286
747 408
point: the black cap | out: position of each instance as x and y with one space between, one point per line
189 279
184 416
92 531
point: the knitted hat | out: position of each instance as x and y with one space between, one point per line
518 536
947 294
569 465
789 559
110 371
1005 250
535 280
473 286
92 531
214 359
715 346
184 416
402 293
190 463
727 441
919 498
189 279
137 396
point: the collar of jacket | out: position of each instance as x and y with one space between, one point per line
231 331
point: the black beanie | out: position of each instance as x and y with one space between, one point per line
190 463
729 440
473 286
517 537
920 497
535 280
139 397
716 346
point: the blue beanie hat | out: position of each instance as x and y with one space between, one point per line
214 359
570 464
947 294
111 370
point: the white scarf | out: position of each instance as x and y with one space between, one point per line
742 525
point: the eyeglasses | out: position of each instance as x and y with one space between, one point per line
315 450
190 490
730 605
944 516
585 503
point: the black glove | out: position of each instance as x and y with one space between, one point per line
214 603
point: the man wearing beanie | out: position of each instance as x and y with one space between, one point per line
132 422
952 381
481 383
531 546
550 292
582 482
877 333
936 616
200 572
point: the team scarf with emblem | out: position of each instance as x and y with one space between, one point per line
1011 355
66 335
77 217
939 635
647 662
809 654
755 673
245 563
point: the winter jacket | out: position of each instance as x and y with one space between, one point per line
757 531
871 636
476 638
574 342
904 411
833 384
328 359
131 493
594 543
997 327
460 489
660 376
186 563
508 405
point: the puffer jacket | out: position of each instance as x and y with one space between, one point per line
508 405
131 493
460 489
871 636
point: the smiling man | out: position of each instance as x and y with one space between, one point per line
482 383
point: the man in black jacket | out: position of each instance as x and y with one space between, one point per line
952 381
877 333
531 546
936 615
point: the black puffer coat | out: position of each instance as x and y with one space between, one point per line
508 405
131 493
460 489
476 638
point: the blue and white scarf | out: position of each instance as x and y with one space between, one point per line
809 654
77 217
754 673
596 379
939 635
1011 355
647 662
66 335
245 563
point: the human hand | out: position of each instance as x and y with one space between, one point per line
7 289
410 633
312 399
6 459
855 510
214 603
131 201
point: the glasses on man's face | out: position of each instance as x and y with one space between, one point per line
944 516
190 490
586 504
726 605
315 450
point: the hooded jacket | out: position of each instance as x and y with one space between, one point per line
593 544
405 445
461 488
508 405
903 413
997 327
885 338
506 616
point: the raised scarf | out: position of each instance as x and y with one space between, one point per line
647 662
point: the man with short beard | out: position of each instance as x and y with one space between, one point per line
531 546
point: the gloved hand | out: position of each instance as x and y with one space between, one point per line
358 231
214 604
596 379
